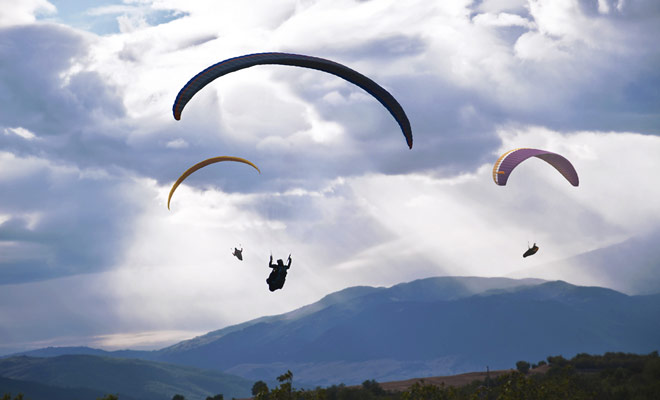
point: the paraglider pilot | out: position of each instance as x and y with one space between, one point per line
532 250
278 274
238 253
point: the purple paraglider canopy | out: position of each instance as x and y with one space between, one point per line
510 160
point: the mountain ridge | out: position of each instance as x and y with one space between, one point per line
427 327
129 378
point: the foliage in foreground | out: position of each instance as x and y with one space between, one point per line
613 376
7 396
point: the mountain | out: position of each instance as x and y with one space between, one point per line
428 327
440 288
83 350
446 288
39 391
630 267
82 376
436 326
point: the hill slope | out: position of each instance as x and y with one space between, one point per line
39 391
131 379
432 327
428 327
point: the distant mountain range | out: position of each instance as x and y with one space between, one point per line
428 327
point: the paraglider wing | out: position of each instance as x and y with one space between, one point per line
237 63
511 159
203 164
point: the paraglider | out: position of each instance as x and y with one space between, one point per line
511 159
238 253
237 63
531 250
278 274
203 164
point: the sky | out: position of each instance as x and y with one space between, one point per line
90 254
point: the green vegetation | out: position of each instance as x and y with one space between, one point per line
522 367
613 376
7 396
259 387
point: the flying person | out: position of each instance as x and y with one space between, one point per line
238 253
278 274
531 250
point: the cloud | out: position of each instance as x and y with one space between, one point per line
43 92
21 132
502 20
61 220
176 144
90 150
368 230
24 12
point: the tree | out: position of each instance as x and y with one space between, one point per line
109 397
557 361
522 366
216 397
259 387
286 382
288 376
178 397
7 396
423 391
373 387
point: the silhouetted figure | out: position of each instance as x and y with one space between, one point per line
278 274
532 250
238 253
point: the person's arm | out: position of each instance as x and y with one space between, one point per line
288 262
270 263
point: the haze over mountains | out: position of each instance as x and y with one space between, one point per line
434 326
631 267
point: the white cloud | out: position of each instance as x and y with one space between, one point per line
21 132
502 5
177 144
502 20
539 47
603 6
131 23
24 11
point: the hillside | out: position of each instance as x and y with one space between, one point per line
429 327
39 391
131 379
407 331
